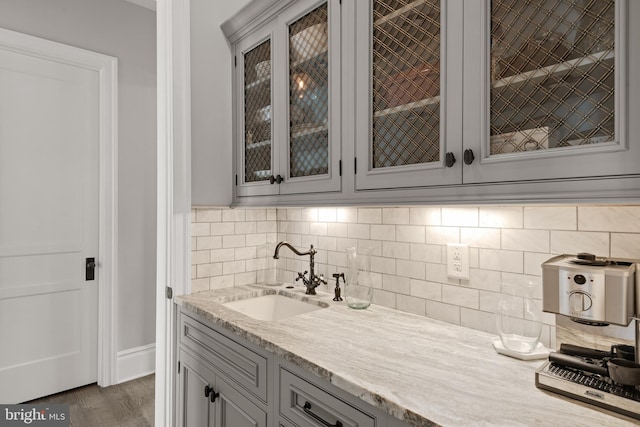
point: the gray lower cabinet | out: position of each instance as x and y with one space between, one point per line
225 380
308 405
205 399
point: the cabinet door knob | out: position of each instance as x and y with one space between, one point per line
468 156
207 390
213 396
449 159
275 179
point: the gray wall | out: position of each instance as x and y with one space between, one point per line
211 130
128 32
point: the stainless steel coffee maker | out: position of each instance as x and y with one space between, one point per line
594 291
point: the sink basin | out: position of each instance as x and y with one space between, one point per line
272 307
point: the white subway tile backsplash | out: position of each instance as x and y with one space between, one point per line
533 263
383 265
384 298
349 215
318 228
209 270
231 267
208 215
412 269
442 235
256 215
477 319
383 232
396 250
551 218
248 252
236 215
220 255
200 257
200 229
223 228
486 280
411 304
259 239
526 240
396 284
199 285
426 290
370 216
327 215
248 227
573 242
410 233
460 217
425 216
501 217
622 219
445 312
481 237
234 241
337 229
358 231
461 296
625 245
395 216
508 261
408 269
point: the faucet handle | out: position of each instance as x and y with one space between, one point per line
301 276
322 280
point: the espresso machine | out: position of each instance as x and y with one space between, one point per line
594 291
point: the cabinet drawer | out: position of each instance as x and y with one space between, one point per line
241 365
306 405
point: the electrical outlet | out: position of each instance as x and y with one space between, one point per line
458 260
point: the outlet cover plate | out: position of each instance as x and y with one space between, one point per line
458 260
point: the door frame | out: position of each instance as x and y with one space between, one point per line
107 68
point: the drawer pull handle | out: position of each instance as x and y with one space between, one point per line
307 410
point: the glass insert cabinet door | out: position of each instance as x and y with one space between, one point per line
308 94
287 104
257 129
550 102
552 74
401 126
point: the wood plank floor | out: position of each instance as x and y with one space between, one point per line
124 405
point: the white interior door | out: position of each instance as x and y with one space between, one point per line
49 185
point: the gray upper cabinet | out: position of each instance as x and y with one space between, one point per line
493 92
286 94
436 101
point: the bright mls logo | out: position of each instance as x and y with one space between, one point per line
34 415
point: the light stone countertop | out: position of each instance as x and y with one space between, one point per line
420 370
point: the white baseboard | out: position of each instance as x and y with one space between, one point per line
136 362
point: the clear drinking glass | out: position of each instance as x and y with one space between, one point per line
518 317
358 291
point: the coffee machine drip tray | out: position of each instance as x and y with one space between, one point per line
589 387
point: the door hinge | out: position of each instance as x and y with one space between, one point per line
178 366
340 167
236 179
169 292
235 61
355 165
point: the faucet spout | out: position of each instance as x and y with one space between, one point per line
276 254
313 281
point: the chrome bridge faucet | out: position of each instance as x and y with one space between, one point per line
313 281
